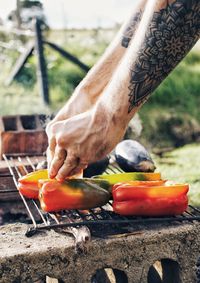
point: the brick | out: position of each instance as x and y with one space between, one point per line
22 134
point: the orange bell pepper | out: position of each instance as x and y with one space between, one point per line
28 184
28 190
71 194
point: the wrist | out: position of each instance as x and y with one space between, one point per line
114 121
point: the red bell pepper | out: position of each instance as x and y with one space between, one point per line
124 193
152 207
150 200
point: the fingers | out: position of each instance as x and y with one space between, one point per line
71 165
57 161
51 151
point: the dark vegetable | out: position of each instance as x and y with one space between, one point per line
131 156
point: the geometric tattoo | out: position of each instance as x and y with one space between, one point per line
171 34
130 30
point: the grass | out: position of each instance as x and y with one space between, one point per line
174 103
182 165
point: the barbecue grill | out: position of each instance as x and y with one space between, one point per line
126 244
76 218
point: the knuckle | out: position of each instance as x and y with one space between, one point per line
60 140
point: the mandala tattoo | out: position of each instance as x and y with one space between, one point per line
172 33
130 30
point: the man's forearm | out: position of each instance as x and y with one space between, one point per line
99 76
165 34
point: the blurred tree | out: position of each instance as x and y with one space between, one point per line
25 12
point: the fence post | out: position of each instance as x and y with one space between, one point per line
42 70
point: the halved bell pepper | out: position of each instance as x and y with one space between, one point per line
124 193
28 190
33 177
28 184
133 176
150 200
71 194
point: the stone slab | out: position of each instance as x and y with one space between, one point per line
50 253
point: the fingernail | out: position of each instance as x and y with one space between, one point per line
61 180
51 175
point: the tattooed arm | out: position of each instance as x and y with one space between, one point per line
166 32
98 77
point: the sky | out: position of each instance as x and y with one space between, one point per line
79 13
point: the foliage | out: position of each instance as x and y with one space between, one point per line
175 104
63 76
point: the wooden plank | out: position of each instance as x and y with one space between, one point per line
68 56
42 70
20 63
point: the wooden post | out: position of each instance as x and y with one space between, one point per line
42 70
18 14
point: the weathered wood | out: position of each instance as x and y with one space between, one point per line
68 56
18 14
20 63
42 70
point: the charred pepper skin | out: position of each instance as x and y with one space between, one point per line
30 184
71 194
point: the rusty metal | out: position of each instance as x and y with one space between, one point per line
75 218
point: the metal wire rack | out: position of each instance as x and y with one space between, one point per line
77 218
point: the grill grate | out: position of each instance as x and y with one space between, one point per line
75 218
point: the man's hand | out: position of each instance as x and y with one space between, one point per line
84 138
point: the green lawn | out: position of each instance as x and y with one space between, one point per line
182 165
